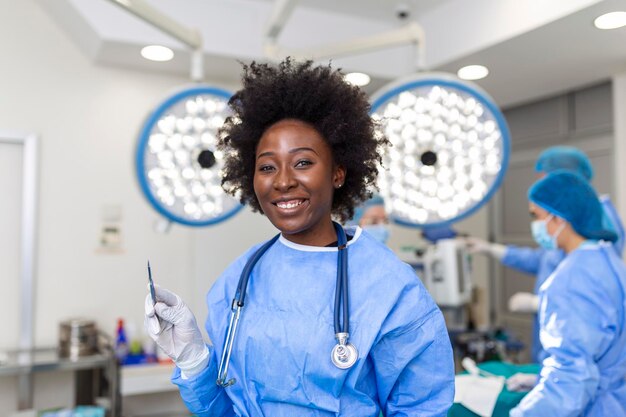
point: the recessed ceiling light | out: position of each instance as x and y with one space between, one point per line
611 20
157 53
473 72
358 78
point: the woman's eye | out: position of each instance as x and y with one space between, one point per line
265 168
303 163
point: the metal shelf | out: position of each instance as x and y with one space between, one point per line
96 375
48 359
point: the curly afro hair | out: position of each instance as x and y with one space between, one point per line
317 95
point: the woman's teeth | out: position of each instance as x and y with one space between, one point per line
289 204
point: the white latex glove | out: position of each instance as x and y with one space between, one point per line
477 245
175 331
524 302
521 382
470 366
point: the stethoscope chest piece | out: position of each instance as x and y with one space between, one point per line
344 354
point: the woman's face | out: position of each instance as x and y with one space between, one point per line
553 223
374 215
294 180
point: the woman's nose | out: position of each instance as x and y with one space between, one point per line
284 180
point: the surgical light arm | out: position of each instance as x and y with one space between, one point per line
411 33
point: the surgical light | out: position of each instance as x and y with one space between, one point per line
178 165
611 20
450 148
157 53
473 72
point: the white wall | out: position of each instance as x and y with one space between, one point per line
619 134
87 118
10 218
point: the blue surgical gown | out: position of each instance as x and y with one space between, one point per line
281 356
582 308
542 262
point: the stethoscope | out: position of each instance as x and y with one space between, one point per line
343 355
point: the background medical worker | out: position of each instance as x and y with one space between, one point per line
372 218
541 262
582 305
301 149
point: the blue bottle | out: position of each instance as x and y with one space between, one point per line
121 343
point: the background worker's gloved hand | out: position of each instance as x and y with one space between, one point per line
521 382
477 245
524 302
172 325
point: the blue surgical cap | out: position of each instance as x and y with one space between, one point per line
376 200
567 158
572 198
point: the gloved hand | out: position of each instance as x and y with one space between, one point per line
477 245
175 331
521 382
524 302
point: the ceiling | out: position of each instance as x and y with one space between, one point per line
532 48
371 9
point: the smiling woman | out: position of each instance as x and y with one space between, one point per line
302 149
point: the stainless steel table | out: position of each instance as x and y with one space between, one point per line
95 375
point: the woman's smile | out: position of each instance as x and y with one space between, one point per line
289 204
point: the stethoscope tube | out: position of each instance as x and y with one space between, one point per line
227 349
343 355
247 270
341 287
236 306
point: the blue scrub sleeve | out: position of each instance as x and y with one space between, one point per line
573 334
414 366
523 259
201 394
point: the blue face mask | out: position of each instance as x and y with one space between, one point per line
380 232
539 229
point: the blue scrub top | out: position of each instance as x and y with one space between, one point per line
542 263
281 356
582 309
